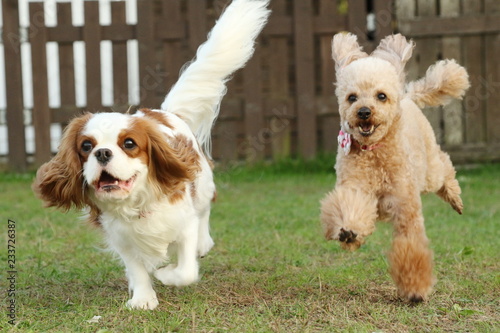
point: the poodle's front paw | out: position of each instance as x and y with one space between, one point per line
413 297
349 240
416 299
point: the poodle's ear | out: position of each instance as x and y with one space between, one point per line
59 182
345 49
396 50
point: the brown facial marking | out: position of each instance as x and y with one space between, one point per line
84 155
137 133
157 116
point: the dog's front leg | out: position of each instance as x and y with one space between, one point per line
348 215
143 295
186 270
410 258
205 241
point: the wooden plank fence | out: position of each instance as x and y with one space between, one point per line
13 74
468 31
282 103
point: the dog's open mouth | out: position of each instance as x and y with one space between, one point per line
109 183
366 128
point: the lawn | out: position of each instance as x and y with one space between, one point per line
270 271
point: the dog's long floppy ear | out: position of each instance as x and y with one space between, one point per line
345 49
397 50
172 161
59 182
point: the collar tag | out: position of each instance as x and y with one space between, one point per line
345 141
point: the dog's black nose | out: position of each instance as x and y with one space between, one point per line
103 155
364 113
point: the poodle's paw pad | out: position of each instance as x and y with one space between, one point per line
415 299
347 236
348 240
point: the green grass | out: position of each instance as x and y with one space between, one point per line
270 271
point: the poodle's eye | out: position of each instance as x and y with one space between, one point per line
352 98
382 97
129 144
87 146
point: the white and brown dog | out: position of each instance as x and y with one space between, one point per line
388 154
145 178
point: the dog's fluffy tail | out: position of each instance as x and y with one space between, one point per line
197 94
442 82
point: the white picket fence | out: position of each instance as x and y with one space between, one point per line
53 68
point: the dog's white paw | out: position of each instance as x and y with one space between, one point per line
204 245
173 276
144 302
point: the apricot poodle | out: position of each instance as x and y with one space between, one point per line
388 154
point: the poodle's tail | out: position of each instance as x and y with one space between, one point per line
442 82
197 94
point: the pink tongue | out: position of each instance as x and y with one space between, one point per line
367 128
102 184
108 182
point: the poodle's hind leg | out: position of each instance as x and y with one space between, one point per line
411 265
348 215
450 191
410 258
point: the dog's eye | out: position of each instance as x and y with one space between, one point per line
382 97
352 98
87 146
129 144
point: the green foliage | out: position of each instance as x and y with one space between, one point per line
343 7
270 271
323 164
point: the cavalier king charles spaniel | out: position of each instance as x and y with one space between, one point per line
146 179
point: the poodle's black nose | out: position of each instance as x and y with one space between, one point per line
364 113
103 155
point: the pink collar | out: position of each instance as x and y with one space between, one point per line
345 142
366 147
